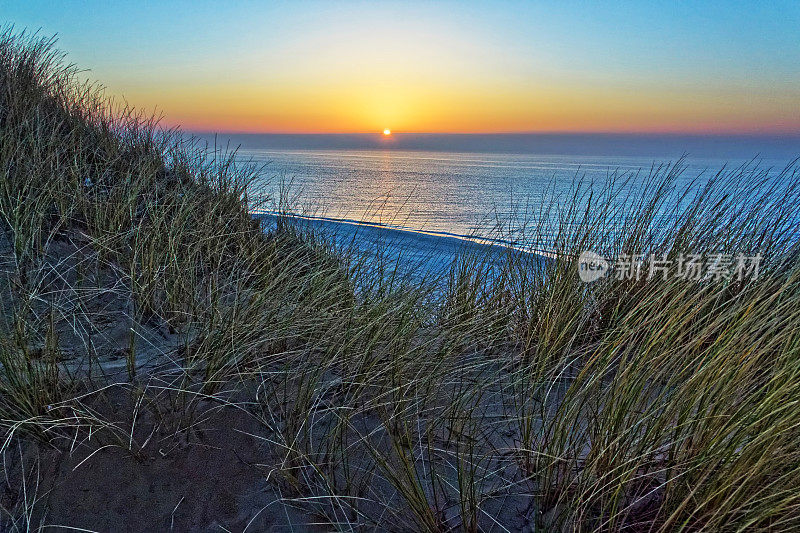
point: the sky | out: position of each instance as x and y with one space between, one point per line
707 67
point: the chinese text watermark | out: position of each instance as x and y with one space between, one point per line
697 267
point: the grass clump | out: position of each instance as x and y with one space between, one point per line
151 327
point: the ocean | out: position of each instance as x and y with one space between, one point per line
459 192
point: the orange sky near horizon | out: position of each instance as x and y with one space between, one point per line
499 109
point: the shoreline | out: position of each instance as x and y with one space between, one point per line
441 242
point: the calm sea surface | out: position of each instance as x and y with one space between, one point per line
447 192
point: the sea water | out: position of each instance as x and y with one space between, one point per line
435 199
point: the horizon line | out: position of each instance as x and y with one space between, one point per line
379 133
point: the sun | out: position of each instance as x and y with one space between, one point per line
387 132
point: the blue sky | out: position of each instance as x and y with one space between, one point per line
448 66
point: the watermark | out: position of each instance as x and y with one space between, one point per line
717 267
592 266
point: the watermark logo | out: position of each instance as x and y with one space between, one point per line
717 267
592 266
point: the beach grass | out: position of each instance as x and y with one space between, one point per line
144 311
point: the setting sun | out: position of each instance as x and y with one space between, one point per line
387 132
